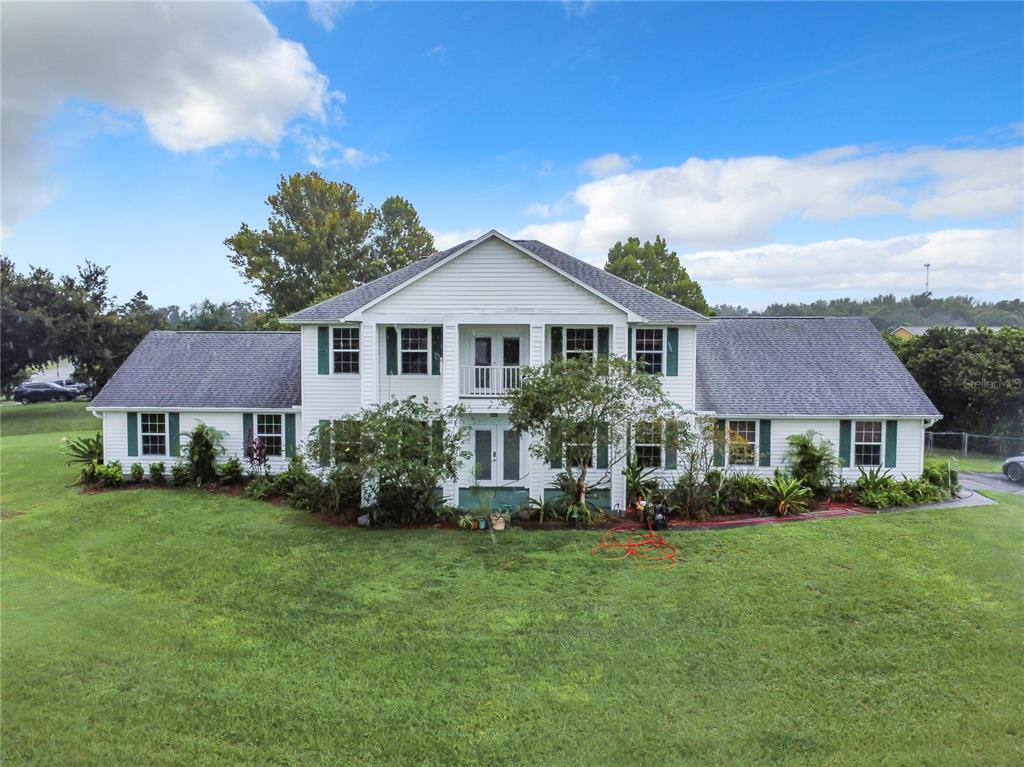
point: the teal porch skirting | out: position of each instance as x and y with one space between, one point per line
602 498
471 498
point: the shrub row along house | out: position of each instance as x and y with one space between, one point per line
458 327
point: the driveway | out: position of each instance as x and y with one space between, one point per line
974 480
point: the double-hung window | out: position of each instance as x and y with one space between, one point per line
867 443
415 351
154 433
647 437
650 349
579 343
742 439
270 431
346 350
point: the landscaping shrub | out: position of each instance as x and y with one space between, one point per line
788 495
110 474
812 459
923 491
256 456
259 488
231 471
181 475
205 444
156 473
85 453
137 473
339 493
942 473
640 480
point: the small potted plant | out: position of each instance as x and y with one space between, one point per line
501 517
467 522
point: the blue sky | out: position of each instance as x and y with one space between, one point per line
787 152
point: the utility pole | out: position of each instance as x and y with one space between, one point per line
927 269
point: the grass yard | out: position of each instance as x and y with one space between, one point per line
970 462
158 627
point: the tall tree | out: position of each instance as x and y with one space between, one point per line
654 267
28 340
322 239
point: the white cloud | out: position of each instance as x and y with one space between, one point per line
199 74
325 13
726 203
323 151
962 261
445 240
608 164
437 50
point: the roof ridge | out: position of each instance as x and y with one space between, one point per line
789 317
228 332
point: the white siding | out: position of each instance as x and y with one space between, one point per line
325 397
491 278
115 437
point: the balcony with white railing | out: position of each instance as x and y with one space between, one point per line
488 380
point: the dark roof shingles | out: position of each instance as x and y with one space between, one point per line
827 366
208 369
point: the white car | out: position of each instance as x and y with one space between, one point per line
1013 468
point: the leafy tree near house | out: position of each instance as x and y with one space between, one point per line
322 239
28 340
578 413
654 267
975 379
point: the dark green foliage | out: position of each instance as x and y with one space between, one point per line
321 240
85 453
640 480
813 460
337 494
654 267
975 379
156 473
942 473
181 475
137 473
226 315
205 446
110 474
230 472
878 489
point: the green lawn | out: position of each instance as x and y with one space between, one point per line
153 627
66 417
970 462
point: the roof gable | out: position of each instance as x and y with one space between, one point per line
638 303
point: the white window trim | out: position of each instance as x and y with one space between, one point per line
565 339
664 346
755 443
854 463
430 349
167 434
256 431
660 445
359 351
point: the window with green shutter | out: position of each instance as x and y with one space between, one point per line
672 352
322 351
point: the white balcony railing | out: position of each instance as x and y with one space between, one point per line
488 380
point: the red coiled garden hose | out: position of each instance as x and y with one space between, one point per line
644 545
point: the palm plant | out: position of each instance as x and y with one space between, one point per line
87 454
788 495
205 444
640 480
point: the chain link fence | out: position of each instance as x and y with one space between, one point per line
965 444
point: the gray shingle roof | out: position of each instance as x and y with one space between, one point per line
802 366
208 369
644 303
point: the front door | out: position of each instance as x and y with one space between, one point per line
482 364
485 454
510 362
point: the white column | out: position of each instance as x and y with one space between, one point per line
369 367
537 468
450 366
618 481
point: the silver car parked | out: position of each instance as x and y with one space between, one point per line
1013 468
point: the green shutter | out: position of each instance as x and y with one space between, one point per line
672 365
629 343
602 446
133 434
322 350
391 350
720 436
174 433
289 434
890 443
324 435
670 446
764 439
556 343
247 432
436 349
844 443
602 342
556 455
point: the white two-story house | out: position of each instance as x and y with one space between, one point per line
458 326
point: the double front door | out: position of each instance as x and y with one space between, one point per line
498 455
